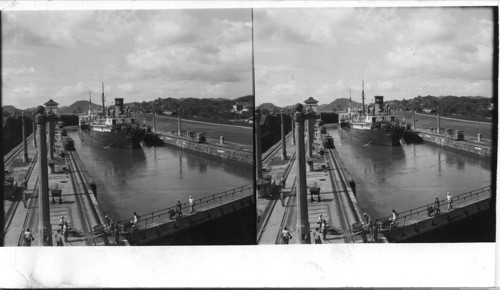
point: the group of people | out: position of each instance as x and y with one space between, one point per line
178 207
115 228
437 203
63 231
61 234
320 230
318 234
374 226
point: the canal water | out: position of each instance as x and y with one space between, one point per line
409 176
153 178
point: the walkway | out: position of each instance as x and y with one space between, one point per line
75 204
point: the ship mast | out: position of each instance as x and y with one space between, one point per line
103 107
90 100
363 97
350 105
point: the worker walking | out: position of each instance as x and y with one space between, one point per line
191 205
28 237
282 198
437 204
285 234
58 238
136 219
178 208
394 218
448 198
368 219
317 236
65 231
25 200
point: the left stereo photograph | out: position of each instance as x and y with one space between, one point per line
128 128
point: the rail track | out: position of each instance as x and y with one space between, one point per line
30 214
286 215
12 155
345 207
83 201
271 152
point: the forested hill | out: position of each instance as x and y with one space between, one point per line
203 108
450 105
472 107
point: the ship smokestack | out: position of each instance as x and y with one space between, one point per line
379 104
118 106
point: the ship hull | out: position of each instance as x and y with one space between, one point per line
377 137
114 139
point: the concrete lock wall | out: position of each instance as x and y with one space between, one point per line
461 145
409 230
239 156
159 233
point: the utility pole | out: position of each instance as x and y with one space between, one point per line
283 136
154 121
25 146
179 121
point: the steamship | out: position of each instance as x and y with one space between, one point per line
114 127
378 126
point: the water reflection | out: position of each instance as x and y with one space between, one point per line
152 178
411 175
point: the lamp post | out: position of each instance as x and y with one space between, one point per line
302 210
44 214
25 147
283 136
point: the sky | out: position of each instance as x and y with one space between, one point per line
138 54
398 52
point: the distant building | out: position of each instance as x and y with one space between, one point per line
240 108
311 104
51 105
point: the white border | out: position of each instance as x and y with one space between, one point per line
377 265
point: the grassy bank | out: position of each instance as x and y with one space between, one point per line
231 133
470 128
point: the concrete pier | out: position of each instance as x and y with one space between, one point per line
75 201
337 203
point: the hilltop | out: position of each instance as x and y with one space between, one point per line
338 105
78 107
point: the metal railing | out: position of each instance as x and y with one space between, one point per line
164 215
418 213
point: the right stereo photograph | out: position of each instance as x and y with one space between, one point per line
375 125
